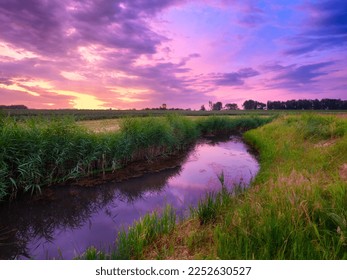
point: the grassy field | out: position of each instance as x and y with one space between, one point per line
295 209
38 152
21 114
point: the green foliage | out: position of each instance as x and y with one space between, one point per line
39 152
321 128
297 208
217 125
207 209
131 243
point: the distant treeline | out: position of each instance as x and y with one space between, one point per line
13 107
308 104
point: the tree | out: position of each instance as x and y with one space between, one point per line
23 107
231 106
260 105
202 108
253 105
217 106
210 104
249 105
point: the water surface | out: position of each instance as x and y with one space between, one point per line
74 218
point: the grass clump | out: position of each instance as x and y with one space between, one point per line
207 209
130 244
317 127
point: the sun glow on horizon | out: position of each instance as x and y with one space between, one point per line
82 101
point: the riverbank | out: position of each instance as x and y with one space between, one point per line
37 153
295 209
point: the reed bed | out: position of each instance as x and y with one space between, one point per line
39 152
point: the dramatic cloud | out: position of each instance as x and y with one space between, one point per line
142 53
294 76
234 78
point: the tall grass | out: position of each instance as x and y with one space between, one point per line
131 243
296 208
217 125
40 152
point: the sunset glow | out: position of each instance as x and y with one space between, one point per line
184 53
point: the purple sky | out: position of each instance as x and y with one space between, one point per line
142 53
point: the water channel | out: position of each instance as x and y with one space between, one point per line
74 218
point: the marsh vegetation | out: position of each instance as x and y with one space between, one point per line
295 209
66 219
38 152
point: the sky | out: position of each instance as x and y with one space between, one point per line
124 54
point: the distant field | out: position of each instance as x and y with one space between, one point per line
107 125
101 125
113 114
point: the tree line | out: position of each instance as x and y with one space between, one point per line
301 104
308 104
13 107
219 106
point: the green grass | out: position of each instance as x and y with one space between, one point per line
218 125
22 114
39 152
131 243
295 209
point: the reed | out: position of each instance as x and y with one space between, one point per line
39 152
217 125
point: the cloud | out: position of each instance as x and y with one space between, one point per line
131 53
297 76
233 78
5 81
33 25
91 39
46 99
325 28
249 14
252 20
57 27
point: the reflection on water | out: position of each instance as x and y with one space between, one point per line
64 224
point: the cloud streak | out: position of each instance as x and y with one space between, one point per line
325 28
295 76
233 78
